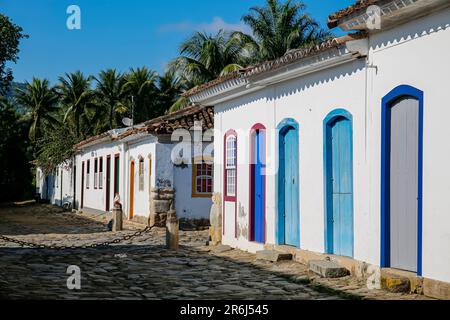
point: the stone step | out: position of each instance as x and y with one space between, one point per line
273 256
222 249
399 281
328 269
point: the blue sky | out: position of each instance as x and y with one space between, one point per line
122 33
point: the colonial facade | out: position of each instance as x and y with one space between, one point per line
340 150
146 166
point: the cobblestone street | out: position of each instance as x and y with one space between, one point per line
142 268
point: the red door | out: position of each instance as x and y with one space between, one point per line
82 186
108 183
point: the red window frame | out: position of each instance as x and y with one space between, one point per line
96 173
228 135
226 197
100 173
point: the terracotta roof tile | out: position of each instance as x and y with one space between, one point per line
290 57
333 19
164 124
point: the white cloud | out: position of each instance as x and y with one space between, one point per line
217 24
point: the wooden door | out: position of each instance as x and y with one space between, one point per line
403 198
289 187
258 187
108 183
82 185
340 201
132 190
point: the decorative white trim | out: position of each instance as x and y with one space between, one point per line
258 79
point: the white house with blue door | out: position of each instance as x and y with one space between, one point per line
341 150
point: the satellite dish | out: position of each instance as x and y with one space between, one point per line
127 122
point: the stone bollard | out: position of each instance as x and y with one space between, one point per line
215 219
172 231
117 219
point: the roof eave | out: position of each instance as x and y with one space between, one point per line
392 13
327 59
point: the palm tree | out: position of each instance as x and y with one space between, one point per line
78 98
170 89
110 91
205 57
41 101
140 84
277 28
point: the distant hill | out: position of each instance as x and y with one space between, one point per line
15 85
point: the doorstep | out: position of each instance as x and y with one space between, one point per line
356 268
397 281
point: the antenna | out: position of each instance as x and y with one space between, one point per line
127 121
132 110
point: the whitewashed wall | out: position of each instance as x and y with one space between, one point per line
307 100
164 174
63 182
146 149
187 206
417 54
414 54
96 198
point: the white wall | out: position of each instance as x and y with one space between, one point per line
163 175
145 149
63 182
187 206
417 54
96 198
414 54
305 101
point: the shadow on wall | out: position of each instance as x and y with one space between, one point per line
242 226
417 29
298 85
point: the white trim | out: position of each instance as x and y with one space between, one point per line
243 86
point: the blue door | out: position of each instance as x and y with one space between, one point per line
288 192
340 187
259 188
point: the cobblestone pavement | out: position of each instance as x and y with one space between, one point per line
142 268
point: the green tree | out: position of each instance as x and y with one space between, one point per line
10 36
277 28
140 84
170 89
205 57
56 146
111 94
78 100
41 102
15 168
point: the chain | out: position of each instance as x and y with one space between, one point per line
91 246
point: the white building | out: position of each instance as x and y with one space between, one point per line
140 166
342 149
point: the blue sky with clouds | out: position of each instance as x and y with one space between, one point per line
122 33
